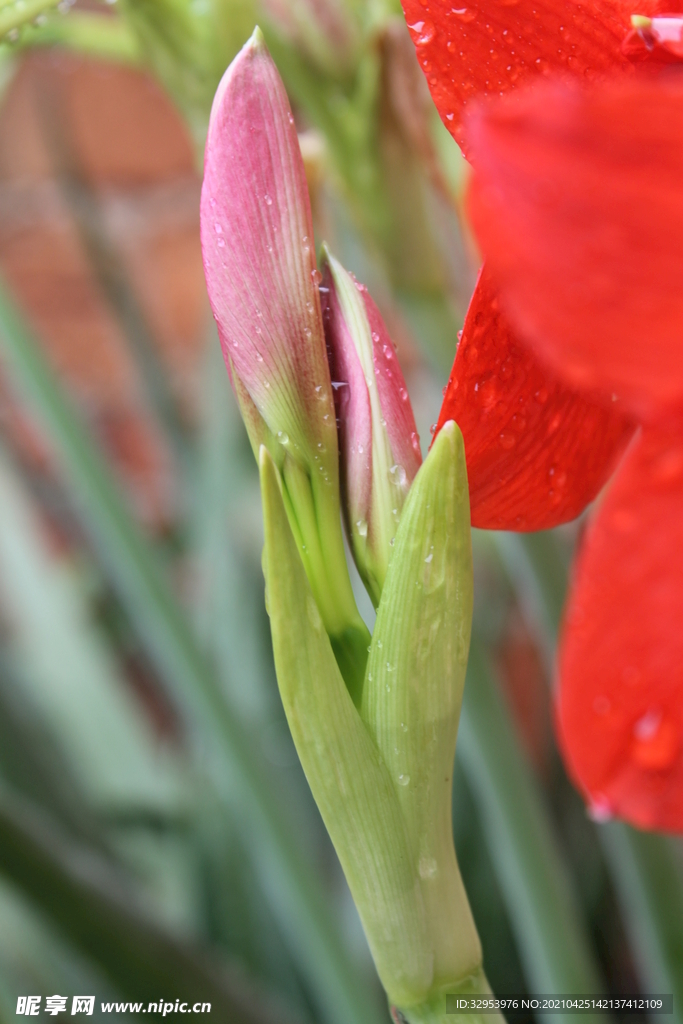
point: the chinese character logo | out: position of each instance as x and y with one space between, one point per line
55 1005
28 1006
83 1004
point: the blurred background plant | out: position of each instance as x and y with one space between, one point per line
157 836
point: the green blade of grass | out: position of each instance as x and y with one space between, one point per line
554 946
647 872
99 913
166 635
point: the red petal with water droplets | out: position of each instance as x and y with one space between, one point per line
537 452
577 203
487 47
620 702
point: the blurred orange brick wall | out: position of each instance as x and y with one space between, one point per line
112 131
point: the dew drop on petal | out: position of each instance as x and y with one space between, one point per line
600 809
282 437
656 741
362 527
403 780
398 474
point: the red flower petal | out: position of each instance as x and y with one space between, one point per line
577 203
620 704
537 452
486 47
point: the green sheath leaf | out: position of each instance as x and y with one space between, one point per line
347 774
414 686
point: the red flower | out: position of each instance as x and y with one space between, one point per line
577 202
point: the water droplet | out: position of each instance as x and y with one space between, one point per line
316 276
427 867
403 394
398 475
426 35
602 705
313 613
269 201
362 527
507 440
656 741
403 780
429 556
218 229
282 437
390 667
221 243
432 429
380 645
464 14
403 727
600 809
259 357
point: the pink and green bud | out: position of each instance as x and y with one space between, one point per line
262 280
379 445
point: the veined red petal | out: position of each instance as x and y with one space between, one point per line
620 701
577 203
473 48
537 451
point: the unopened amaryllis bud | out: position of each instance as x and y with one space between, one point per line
379 445
261 275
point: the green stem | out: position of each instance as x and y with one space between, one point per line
552 940
96 35
164 632
442 1008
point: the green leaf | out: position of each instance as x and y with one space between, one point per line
414 687
354 790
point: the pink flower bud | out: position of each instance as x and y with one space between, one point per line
378 441
259 261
